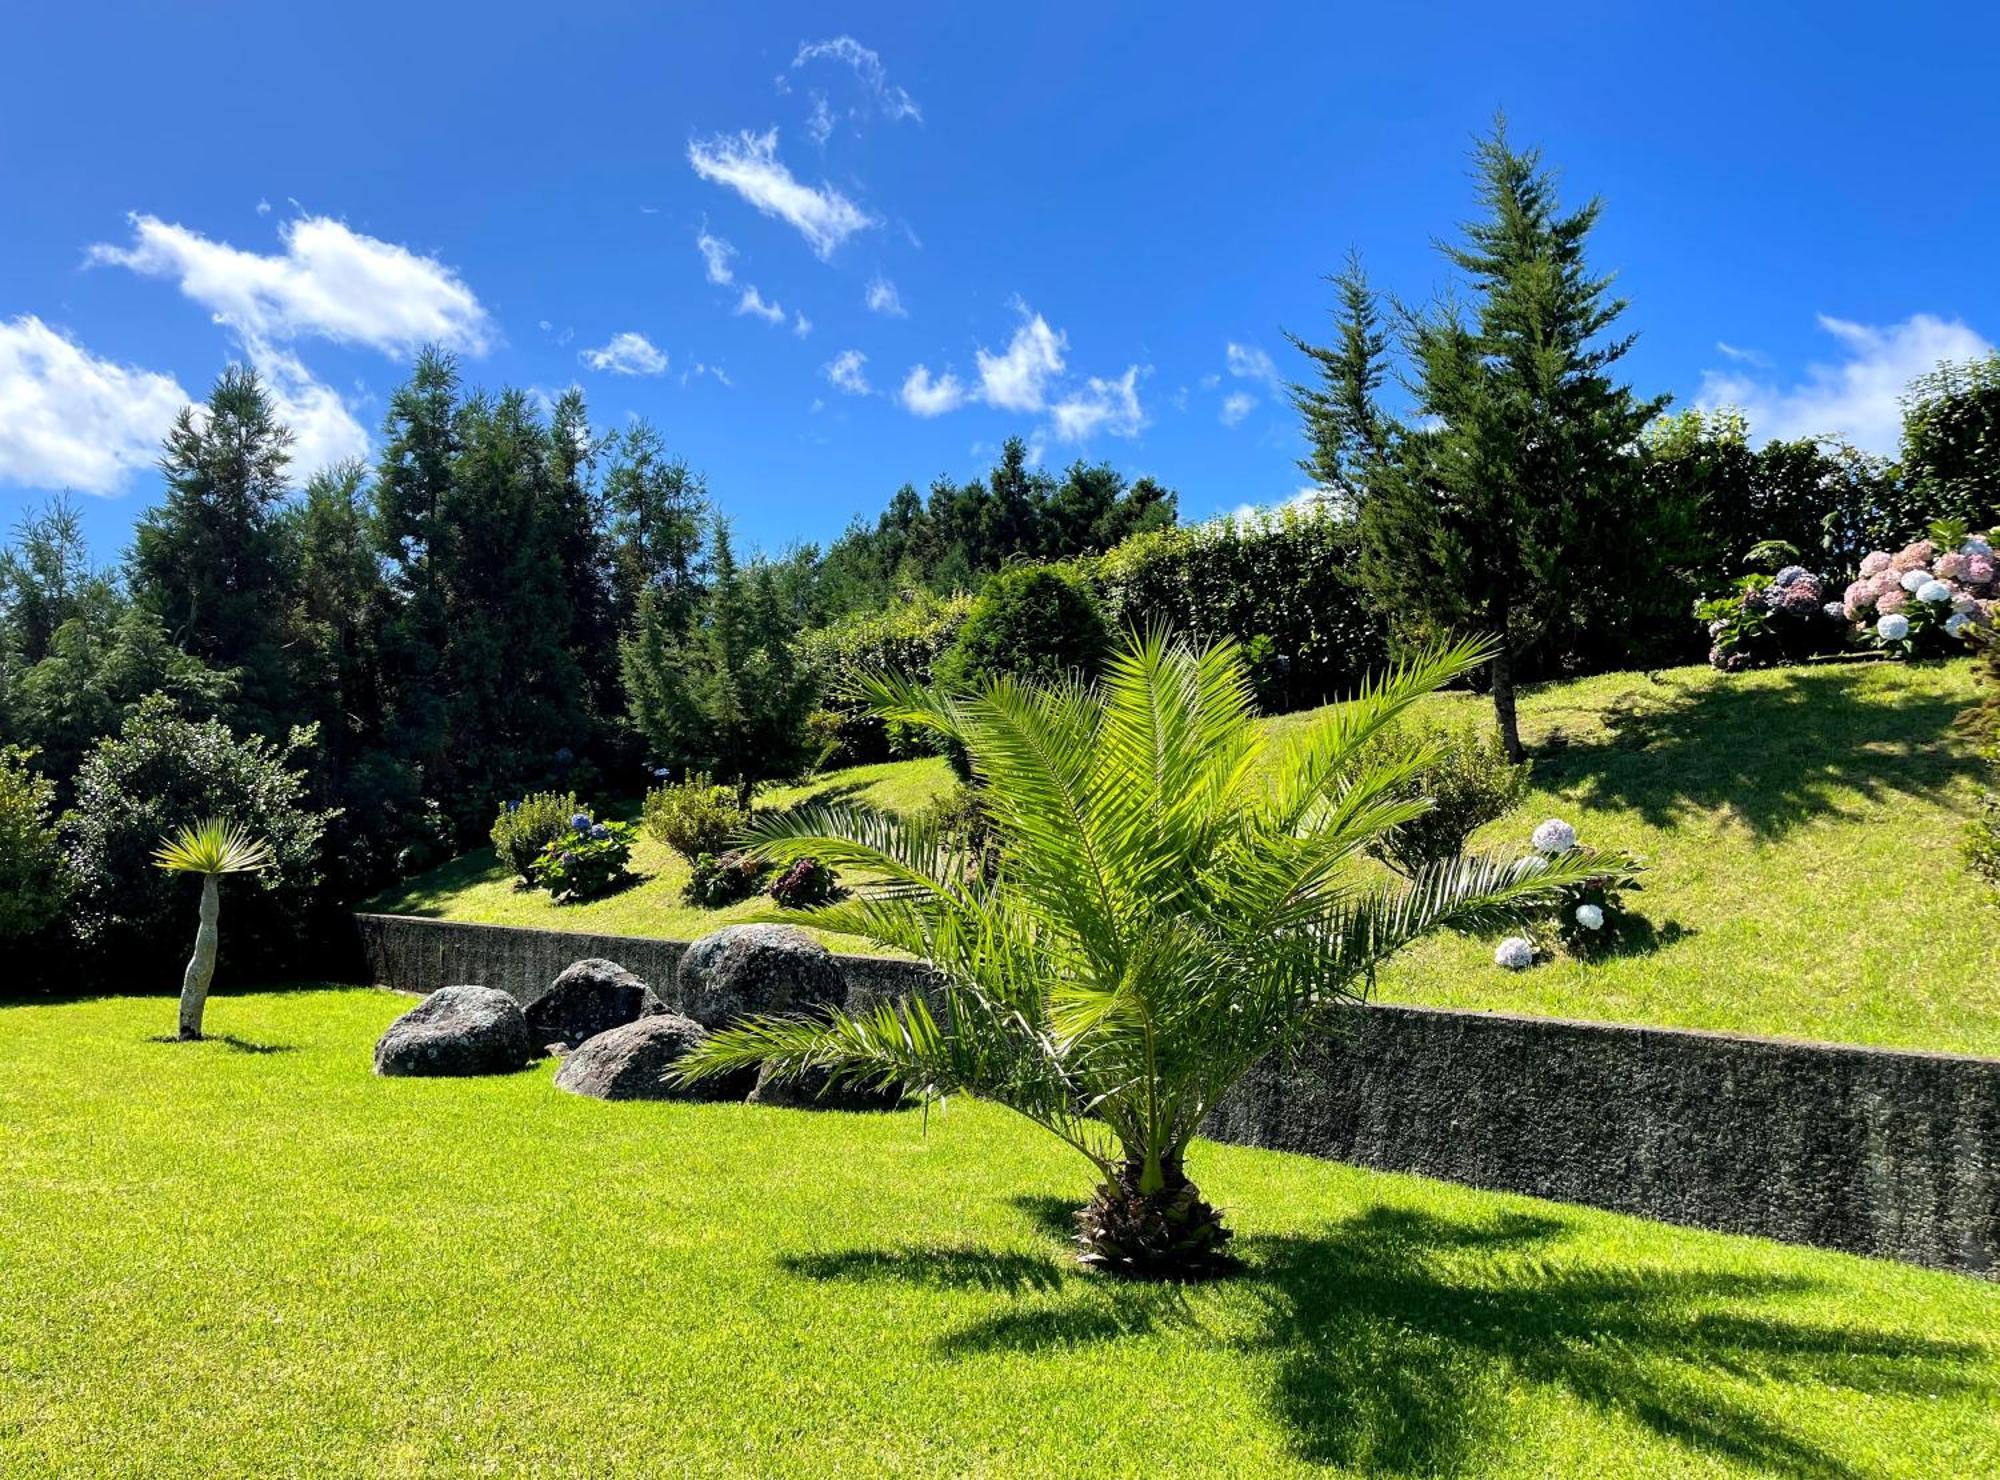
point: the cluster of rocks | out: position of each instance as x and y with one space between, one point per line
618 1039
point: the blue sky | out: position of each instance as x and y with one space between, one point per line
927 230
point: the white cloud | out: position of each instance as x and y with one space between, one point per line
1102 405
627 354
1246 362
923 395
1747 356
1857 398
845 373
748 164
324 427
714 372
263 207
1235 406
1018 380
883 298
895 103
752 302
71 420
801 325
715 253
330 282
820 122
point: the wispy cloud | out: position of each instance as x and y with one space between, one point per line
1235 406
844 372
1742 356
1246 362
629 353
801 325
893 102
330 282
1109 406
715 256
753 302
926 395
883 298
71 420
748 164
1857 397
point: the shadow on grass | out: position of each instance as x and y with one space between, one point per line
229 1041
1395 1337
1774 754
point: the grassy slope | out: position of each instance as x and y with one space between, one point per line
1802 826
251 1257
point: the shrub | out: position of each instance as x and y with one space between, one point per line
695 816
1930 598
717 881
1767 619
160 773
806 884
1034 622
1588 916
1469 784
964 824
524 828
1982 834
587 861
34 878
906 639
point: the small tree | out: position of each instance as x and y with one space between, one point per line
211 849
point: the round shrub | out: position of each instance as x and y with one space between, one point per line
717 881
161 772
34 878
589 860
1033 622
1468 781
805 884
524 828
694 817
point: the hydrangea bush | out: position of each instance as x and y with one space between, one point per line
1930 598
806 884
716 881
524 828
588 860
1585 920
1771 619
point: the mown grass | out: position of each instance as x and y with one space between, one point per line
251 1257
1801 827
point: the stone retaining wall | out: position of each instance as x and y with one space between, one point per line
1875 1152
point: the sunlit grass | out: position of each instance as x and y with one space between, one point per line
252 1257
1802 827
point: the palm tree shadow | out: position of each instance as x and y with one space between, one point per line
1395 1337
1772 754
229 1041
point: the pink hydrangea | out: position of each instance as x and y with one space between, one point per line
1891 602
1874 564
1950 566
1801 598
1979 570
1916 555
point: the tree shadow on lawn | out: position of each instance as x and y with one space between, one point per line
1396 1336
229 1041
1773 755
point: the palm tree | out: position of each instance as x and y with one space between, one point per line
1174 901
211 849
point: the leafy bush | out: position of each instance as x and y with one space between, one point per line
1588 917
1469 784
1036 622
695 816
716 881
1771 619
34 877
1982 834
524 828
587 861
906 639
964 824
1930 598
805 884
1281 584
160 773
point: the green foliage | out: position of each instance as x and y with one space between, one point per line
1282 585
1163 916
907 638
1031 622
716 881
1951 442
805 884
964 827
588 861
1463 775
34 876
160 773
522 829
695 816
212 847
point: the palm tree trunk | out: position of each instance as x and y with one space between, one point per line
1167 1234
201 965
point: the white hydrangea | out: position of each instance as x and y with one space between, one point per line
1956 623
1915 578
1934 592
1590 917
1516 953
1893 628
1554 836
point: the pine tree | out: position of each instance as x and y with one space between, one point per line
1344 422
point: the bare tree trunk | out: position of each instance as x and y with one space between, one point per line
1503 703
201 965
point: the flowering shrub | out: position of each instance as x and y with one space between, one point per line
694 817
524 828
1928 599
717 881
806 884
1771 619
587 860
1585 920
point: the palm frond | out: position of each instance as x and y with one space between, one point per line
213 847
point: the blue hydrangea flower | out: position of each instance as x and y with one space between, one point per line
1790 574
564 756
600 832
580 821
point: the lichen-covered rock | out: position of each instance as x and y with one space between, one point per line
588 998
808 1091
457 1030
635 1062
746 970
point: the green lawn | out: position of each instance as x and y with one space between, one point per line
251 1257
1802 827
